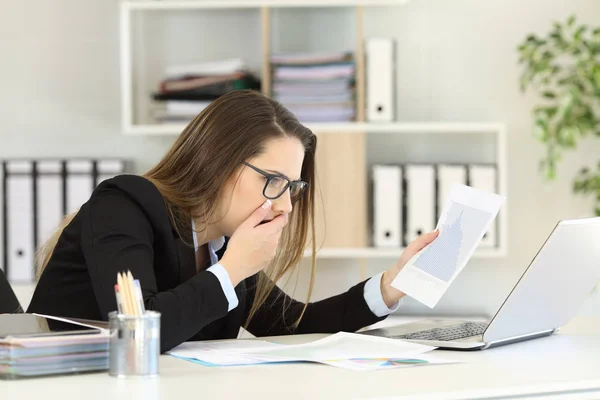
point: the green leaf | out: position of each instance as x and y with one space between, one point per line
571 21
565 106
568 136
531 38
540 132
547 55
597 211
586 126
597 79
544 113
579 32
549 95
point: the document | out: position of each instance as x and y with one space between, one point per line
465 218
370 364
343 346
223 352
343 349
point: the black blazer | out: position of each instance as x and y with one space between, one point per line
9 304
125 225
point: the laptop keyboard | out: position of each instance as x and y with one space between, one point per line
448 333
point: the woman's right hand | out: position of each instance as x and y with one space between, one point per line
253 245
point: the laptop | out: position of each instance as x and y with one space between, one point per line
548 295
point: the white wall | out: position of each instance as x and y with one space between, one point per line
457 61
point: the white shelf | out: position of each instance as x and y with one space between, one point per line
388 127
383 253
198 4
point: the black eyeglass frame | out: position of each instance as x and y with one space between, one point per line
286 187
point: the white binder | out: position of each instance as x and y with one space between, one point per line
420 200
387 206
448 175
380 82
109 169
49 198
80 183
484 177
19 203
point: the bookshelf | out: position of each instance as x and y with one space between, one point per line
156 33
346 201
148 37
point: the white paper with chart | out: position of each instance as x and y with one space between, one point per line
466 216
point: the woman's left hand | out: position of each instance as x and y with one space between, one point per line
390 294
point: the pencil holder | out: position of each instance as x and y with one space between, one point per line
134 346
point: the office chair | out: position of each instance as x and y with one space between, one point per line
9 304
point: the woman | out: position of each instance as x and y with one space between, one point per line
208 231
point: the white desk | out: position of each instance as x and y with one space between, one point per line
565 366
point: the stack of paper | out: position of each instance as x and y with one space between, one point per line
188 89
53 354
315 86
344 350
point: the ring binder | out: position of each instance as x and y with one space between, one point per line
34 197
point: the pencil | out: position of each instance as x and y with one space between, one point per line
135 308
118 296
129 294
140 297
128 300
123 293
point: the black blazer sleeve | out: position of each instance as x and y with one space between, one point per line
118 236
347 312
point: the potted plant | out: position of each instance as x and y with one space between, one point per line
563 68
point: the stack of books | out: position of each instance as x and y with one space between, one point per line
316 87
186 90
32 345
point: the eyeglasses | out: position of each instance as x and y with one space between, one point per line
276 185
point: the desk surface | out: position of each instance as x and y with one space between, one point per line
565 365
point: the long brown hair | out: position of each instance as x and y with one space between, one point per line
192 174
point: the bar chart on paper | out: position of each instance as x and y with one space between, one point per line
461 229
467 215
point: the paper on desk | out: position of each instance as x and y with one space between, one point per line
223 352
342 346
466 216
370 364
345 350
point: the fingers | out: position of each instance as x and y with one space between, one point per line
424 240
277 224
258 215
